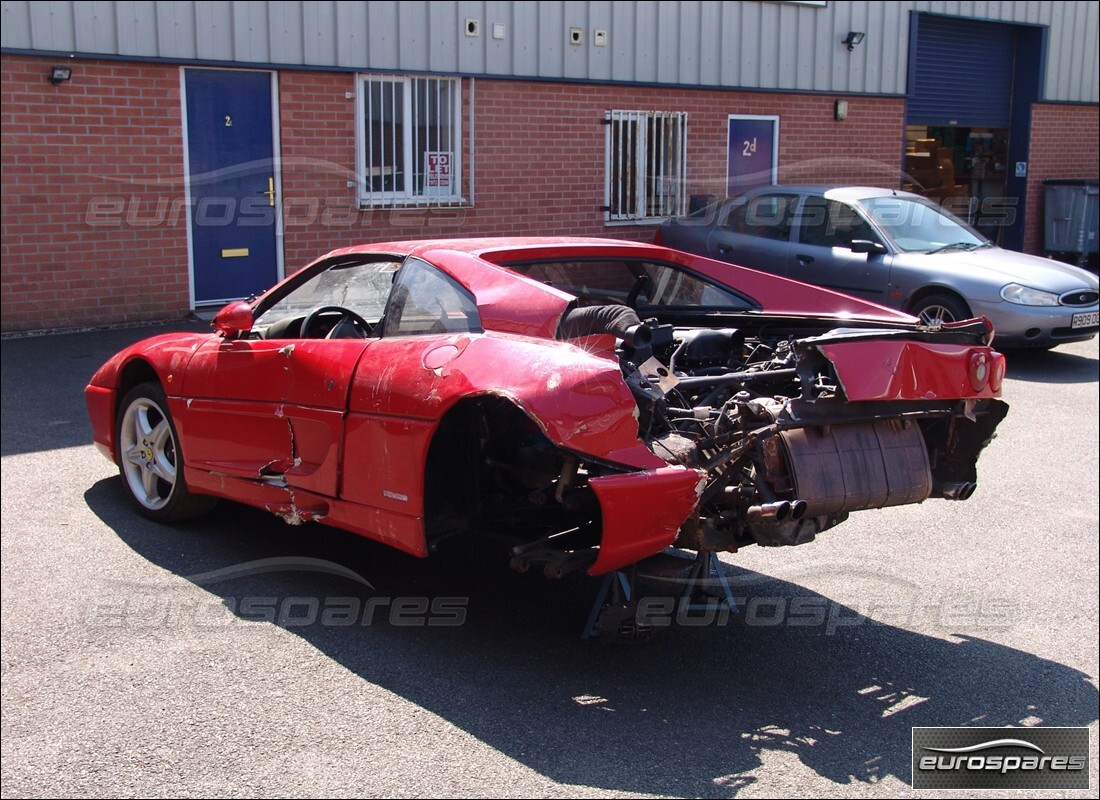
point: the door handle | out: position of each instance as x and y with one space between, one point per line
804 259
725 249
270 191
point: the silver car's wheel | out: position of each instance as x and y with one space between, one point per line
937 309
936 315
149 457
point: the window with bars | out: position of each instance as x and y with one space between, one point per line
410 140
646 164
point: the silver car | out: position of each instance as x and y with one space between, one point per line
897 249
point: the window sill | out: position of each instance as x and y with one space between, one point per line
633 223
414 202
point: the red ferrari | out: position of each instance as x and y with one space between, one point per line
592 401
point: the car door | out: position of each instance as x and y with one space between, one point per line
271 405
755 231
271 409
822 253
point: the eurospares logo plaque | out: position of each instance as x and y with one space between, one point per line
1001 758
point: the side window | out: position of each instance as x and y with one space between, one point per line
768 216
828 223
426 301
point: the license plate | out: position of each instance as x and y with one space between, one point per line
1090 319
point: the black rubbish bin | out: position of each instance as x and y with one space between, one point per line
1072 218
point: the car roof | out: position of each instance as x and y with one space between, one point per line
510 302
493 248
832 191
507 301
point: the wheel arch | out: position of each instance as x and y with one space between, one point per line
452 468
133 373
931 290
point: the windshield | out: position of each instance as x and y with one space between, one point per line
919 225
362 288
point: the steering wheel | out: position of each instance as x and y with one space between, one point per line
346 314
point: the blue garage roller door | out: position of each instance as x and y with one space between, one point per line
961 72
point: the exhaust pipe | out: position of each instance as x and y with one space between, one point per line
954 490
770 512
780 523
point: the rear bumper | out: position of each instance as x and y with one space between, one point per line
897 369
642 512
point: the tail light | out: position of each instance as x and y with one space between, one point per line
997 373
980 368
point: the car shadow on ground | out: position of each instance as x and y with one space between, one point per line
692 712
1051 366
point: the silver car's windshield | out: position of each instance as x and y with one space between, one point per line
914 225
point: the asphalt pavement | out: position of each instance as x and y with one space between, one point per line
237 655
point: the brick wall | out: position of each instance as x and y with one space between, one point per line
1065 140
89 170
317 128
94 230
539 160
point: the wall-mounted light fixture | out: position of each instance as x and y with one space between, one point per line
840 110
853 38
60 74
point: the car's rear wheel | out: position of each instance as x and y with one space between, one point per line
936 309
150 460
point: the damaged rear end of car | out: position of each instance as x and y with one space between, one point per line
788 447
780 424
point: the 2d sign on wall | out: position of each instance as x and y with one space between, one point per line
753 153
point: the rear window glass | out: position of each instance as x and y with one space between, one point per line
641 284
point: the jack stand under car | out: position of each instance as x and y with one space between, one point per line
617 612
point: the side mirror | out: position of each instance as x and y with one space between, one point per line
867 246
233 319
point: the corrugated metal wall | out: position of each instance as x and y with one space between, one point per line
756 45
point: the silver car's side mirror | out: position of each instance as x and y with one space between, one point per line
867 246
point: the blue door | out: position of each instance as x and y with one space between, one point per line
231 168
